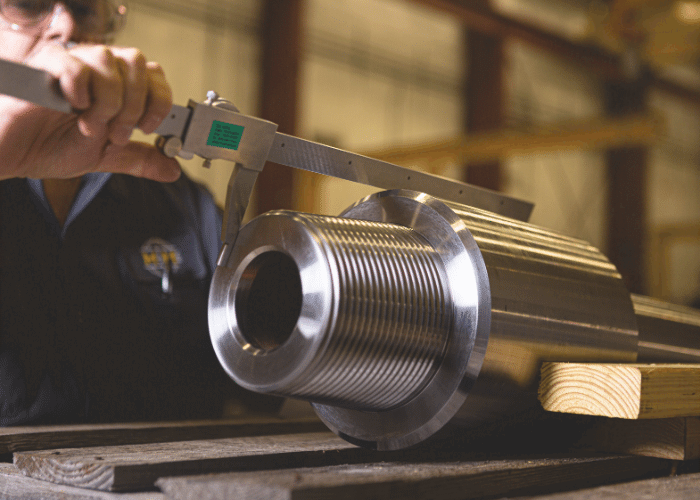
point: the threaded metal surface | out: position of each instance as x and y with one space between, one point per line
382 323
393 316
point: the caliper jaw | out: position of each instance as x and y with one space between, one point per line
215 130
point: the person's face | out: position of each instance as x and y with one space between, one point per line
62 22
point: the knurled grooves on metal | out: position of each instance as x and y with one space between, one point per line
393 321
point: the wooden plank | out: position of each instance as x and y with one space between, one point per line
14 439
619 390
16 486
597 60
670 438
134 467
282 37
479 147
668 488
416 480
484 100
604 63
626 203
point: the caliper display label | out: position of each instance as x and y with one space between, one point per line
225 135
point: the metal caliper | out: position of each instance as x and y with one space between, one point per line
215 129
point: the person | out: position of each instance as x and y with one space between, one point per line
114 89
104 268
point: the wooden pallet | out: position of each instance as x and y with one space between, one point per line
282 460
60 436
315 465
135 467
469 479
16 486
668 488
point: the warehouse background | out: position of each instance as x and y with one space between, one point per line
377 75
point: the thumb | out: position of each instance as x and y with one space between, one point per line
140 160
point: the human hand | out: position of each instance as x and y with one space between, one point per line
113 90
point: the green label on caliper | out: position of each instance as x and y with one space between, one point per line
225 135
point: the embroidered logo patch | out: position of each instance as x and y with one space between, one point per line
160 257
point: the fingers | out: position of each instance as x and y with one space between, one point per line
140 160
136 88
107 88
115 87
115 90
74 75
160 99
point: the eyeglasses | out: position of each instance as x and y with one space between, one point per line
98 18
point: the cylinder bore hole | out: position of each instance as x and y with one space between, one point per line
268 300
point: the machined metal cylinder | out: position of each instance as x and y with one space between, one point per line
390 316
407 313
668 333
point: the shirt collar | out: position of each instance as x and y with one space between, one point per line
90 186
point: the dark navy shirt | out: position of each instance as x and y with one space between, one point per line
105 318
